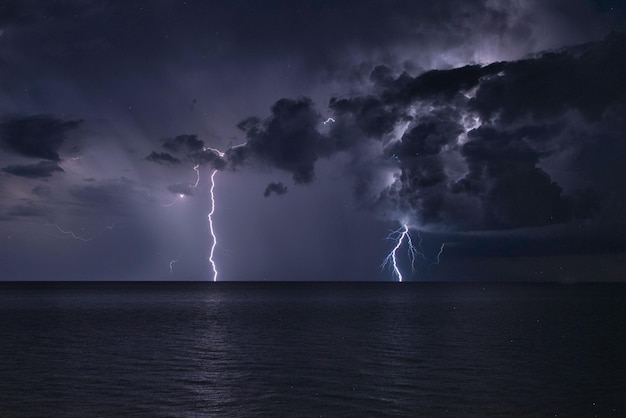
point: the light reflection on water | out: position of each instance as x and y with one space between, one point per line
327 349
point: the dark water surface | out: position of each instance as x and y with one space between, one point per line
313 349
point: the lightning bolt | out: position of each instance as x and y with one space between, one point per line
72 234
197 170
78 237
210 216
391 260
211 229
329 120
412 252
439 254
174 261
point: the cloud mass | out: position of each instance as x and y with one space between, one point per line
496 127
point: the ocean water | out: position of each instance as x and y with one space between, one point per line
313 350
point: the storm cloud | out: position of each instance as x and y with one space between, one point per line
162 158
275 188
288 139
491 125
468 144
188 148
38 136
42 169
474 138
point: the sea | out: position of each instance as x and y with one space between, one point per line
323 349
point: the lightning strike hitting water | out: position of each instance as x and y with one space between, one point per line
391 260
210 216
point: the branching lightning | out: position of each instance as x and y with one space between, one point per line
411 251
399 236
391 260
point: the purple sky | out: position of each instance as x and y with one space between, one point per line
449 117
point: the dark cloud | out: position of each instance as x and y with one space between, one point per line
368 116
588 78
490 175
188 148
183 144
276 188
430 135
39 136
30 209
443 84
515 192
486 177
288 139
42 169
162 158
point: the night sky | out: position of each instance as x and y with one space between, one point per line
497 128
